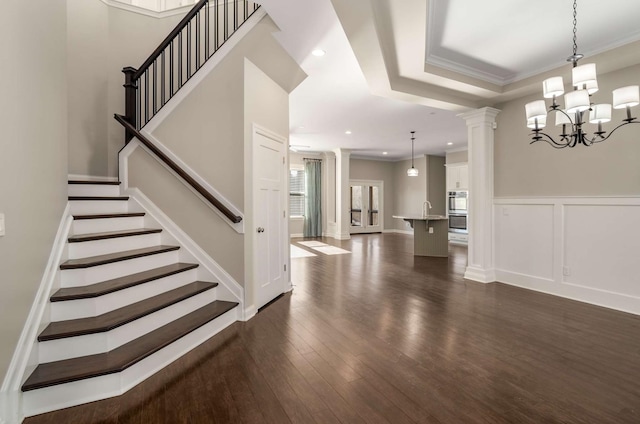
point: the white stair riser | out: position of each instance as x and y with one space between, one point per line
82 308
78 392
71 347
86 249
91 207
93 190
96 274
88 226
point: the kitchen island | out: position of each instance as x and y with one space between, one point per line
430 234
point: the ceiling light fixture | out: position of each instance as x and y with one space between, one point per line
347 132
412 172
449 144
385 153
577 102
318 52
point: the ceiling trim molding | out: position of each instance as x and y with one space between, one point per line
146 12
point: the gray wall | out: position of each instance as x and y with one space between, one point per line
33 162
102 40
610 168
362 169
409 192
457 157
436 184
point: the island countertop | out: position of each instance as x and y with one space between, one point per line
422 217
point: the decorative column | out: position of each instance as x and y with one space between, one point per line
329 193
343 201
480 127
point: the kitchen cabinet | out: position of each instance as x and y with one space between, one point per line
457 176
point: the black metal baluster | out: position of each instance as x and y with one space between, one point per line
188 50
198 41
226 18
162 79
146 97
206 31
235 15
155 87
216 27
171 68
180 60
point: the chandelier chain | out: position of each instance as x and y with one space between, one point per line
575 30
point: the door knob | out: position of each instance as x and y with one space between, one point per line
260 230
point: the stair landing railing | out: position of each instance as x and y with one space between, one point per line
203 30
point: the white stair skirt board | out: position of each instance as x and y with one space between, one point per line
96 274
75 393
86 249
93 190
89 226
90 344
209 270
297 252
83 308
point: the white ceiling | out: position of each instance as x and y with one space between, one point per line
395 66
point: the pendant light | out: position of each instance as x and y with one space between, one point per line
412 172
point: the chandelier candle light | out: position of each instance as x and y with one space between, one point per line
412 172
576 103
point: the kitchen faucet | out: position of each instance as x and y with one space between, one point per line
424 208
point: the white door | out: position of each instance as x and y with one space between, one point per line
269 212
366 206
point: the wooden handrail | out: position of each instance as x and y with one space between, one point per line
165 43
176 168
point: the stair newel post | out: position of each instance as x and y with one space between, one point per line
130 88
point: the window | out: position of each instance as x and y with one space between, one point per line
296 192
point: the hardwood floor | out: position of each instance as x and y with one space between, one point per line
381 336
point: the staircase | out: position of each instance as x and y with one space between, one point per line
130 302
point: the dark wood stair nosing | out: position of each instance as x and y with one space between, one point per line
87 182
111 286
125 315
81 238
90 262
109 216
98 198
38 381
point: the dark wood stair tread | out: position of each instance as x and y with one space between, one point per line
116 318
112 234
117 360
109 215
94 182
92 198
92 261
110 286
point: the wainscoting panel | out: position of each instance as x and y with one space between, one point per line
581 248
602 247
524 239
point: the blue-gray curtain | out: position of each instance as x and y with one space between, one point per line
313 198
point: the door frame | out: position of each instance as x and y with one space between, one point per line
379 183
251 242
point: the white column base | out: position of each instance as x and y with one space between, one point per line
480 275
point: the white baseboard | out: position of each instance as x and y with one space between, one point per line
227 282
393 230
249 312
598 297
302 235
25 354
480 275
79 177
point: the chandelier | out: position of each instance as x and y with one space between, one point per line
577 103
412 172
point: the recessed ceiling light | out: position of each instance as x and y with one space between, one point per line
347 132
449 144
385 153
318 52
